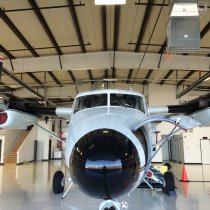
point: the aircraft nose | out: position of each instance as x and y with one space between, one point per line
105 164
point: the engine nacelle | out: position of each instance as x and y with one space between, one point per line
15 119
106 164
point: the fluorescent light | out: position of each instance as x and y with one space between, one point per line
110 79
109 2
207 79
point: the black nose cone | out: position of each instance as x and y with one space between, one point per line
105 164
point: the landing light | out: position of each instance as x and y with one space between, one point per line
109 2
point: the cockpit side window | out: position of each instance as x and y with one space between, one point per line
126 100
90 101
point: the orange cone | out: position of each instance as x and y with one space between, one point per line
184 175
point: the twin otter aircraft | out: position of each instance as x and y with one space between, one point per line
109 147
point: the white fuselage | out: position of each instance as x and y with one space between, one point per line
118 118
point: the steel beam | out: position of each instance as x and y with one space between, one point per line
76 24
170 72
72 76
116 27
103 15
7 87
114 72
205 30
45 26
162 49
129 76
11 25
185 78
147 76
6 52
43 8
15 78
35 78
144 24
90 76
104 60
194 85
106 73
54 78
154 4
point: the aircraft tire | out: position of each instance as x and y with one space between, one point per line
58 187
112 208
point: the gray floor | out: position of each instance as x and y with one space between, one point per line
28 187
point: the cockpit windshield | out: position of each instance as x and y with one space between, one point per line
90 101
126 100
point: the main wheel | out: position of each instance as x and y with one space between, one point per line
58 186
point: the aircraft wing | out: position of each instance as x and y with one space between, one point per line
20 114
198 109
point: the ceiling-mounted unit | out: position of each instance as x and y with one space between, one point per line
183 30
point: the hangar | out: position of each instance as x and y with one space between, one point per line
54 50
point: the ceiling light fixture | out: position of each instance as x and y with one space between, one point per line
109 2
110 79
207 79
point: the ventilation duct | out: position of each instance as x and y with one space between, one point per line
183 30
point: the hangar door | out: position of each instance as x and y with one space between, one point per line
205 150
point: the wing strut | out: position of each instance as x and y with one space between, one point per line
52 134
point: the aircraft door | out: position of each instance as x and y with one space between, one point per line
205 150
39 150
50 149
35 150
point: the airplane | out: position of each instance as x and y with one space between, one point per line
109 148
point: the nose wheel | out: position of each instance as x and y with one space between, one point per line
58 185
113 205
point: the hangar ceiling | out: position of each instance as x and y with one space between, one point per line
66 43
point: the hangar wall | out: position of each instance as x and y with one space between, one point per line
196 142
156 94
26 151
186 143
8 137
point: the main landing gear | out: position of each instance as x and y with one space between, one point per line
113 205
58 187
59 183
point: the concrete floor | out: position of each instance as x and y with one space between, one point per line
29 187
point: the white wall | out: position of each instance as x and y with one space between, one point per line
187 147
157 96
191 144
26 151
43 139
9 137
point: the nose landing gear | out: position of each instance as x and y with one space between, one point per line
113 205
